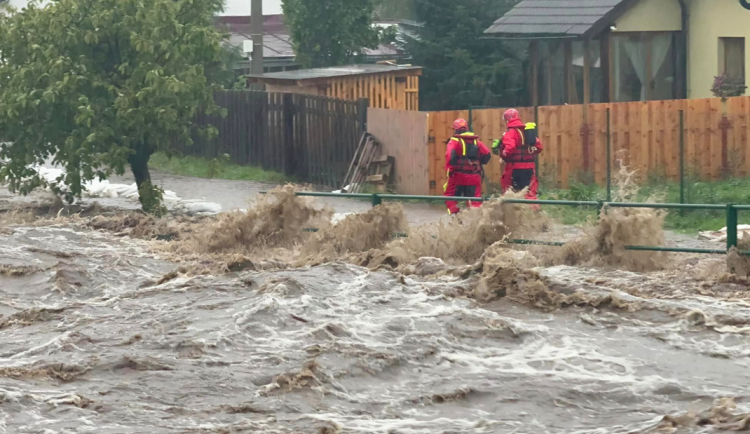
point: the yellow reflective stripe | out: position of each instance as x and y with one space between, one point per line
464 145
523 139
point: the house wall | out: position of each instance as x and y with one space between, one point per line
306 90
387 91
709 21
652 16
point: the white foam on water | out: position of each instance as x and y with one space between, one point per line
391 354
104 189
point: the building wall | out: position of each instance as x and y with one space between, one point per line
709 21
652 16
306 90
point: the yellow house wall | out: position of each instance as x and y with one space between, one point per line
709 21
652 16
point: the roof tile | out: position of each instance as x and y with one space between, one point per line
553 17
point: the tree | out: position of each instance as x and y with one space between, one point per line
330 32
462 66
396 9
223 74
102 84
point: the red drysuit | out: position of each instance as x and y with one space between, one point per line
463 162
520 170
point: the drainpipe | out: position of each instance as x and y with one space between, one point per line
684 41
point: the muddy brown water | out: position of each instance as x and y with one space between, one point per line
91 343
100 334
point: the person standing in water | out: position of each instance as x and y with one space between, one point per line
518 148
464 158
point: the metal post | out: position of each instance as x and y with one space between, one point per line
256 32
539 134
376 200
682 156
731 226
609 156
471 117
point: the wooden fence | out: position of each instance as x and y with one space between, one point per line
310 138
403 135
313 138
645 135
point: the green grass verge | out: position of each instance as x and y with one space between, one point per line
219 168
735 191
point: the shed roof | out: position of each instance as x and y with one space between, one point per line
573 18
310 76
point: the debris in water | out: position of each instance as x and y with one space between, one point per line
721 415
7 270
604 244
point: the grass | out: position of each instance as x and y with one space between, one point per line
219 168
735 191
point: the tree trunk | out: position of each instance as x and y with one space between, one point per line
139 165
149 196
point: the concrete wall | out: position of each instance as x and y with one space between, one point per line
652 16
709 21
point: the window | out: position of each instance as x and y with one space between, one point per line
643 66
551 75
732 60
578 73
560 71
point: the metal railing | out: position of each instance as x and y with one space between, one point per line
732 212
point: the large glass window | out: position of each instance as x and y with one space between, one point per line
643 67
551 72
561 60
578 73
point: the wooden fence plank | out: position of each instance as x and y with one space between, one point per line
325 132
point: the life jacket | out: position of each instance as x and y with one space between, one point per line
524 153
468 160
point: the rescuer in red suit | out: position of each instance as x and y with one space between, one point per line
518 148
463 163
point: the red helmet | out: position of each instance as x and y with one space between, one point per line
460 124
511 115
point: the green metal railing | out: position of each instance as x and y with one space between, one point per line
731 214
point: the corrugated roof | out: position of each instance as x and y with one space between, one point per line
556 17
334 72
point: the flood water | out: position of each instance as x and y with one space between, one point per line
96 340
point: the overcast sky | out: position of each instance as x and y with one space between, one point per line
242 7
233 7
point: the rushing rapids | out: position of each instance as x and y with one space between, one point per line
115 322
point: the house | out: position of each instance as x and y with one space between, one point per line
278 52
589 51
386 86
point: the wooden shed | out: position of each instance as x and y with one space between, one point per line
386 86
